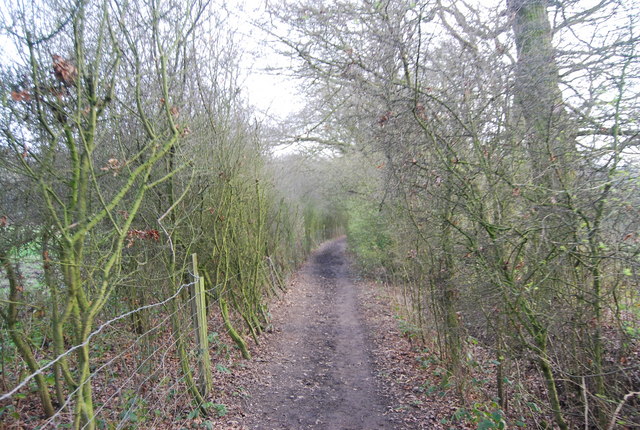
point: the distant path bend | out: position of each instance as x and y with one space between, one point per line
320 374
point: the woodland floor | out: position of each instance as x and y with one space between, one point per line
334 359
336 356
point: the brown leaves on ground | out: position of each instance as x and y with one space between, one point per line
397 361
400 377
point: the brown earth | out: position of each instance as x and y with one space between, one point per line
334 359
321 373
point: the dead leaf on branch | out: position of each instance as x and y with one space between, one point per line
421 111
114 165
132 235
382 120
20 96
64 71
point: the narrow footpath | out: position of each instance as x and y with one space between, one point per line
320 373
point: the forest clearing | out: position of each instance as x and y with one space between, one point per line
320 214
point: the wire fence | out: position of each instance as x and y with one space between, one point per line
137 381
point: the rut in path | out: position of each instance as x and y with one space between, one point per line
321 375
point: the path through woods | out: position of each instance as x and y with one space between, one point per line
321 374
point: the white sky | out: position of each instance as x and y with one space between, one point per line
274 95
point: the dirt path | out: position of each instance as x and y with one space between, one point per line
320 373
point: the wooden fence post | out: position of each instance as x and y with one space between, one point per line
200 324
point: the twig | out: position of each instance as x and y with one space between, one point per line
586 404
620 405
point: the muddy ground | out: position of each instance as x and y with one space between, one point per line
333 361
321 374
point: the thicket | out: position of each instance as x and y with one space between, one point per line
496 149
135 186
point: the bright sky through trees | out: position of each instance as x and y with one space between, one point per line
267 86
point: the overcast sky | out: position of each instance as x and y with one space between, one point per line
273 94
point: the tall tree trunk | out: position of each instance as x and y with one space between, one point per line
551 150
538 93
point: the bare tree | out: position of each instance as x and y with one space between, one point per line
501 156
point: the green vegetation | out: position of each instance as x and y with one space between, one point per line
493 184
482 162
366 231
125 151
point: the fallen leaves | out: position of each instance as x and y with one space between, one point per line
399 366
